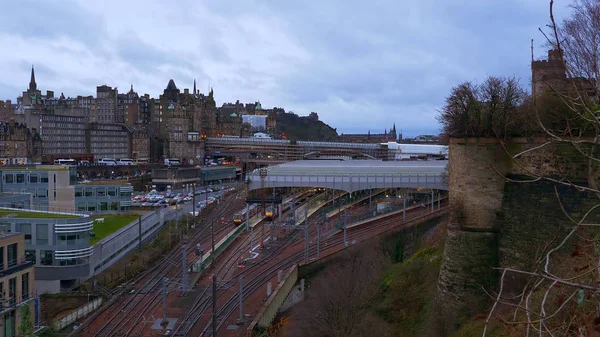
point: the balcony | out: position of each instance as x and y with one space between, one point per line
14 266
12 302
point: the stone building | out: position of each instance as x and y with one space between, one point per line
229 119
32 96
6 110
181 120
551 75
140 144
18 145
108 141
128 108
369 137
106 105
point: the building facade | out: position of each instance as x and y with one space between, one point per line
18 144
17 277
551 75
106 105
57 244
369 137
140 144
108 141
55 188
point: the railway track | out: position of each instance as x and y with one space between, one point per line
203 301
264 275
137 304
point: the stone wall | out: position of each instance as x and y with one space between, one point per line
495 222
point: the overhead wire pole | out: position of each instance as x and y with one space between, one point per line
404 209
306 235
345 227
164 293
212 237
318 241
432 200
241 299
184 271
214 305
140 232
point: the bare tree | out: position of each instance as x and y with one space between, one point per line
560 295
338 302
485 110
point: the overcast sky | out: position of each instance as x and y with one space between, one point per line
362 65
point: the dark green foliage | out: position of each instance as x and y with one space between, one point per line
304 128
26 326
409 292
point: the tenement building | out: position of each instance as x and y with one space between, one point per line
18 144
108 140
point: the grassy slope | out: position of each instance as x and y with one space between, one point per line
409 289
112 223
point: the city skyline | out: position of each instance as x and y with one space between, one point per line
356 78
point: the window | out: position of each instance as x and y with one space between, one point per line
5 227
33 178
20 178
81 206
42 193
30 255
24 286
91 206
25 228
46 257
9 178
89 192
44 179
101 192
12 291
41 233
112 192
1 258
103 206
11 255
78 192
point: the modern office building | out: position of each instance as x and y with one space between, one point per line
55 188
16 283
57 243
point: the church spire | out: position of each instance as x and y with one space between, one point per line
195 92
32 84
394 128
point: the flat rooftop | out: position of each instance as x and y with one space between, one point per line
25 214
355 167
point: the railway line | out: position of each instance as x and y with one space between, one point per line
259 275
203 302
137 304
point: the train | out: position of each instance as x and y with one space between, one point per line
240 217
269 213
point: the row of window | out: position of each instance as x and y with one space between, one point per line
11 295
100 192
23 178
101 206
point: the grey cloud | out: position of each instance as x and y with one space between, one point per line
49 19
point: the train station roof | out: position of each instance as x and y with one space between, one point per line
351 175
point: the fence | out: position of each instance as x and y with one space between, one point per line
114 247
78 313
269 310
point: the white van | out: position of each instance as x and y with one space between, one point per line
172 162
107 161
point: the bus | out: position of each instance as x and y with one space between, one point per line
66 162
